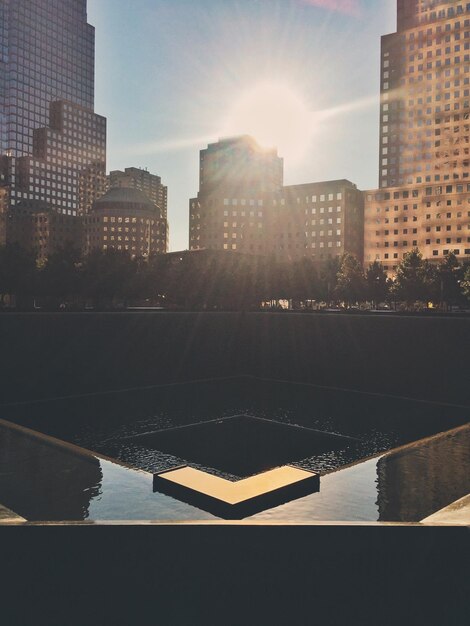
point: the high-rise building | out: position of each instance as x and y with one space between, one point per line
35 226
239 164
3 211
243 206
316 220
425 94
52 143
151 186
143 180
125 219
228 213
424 177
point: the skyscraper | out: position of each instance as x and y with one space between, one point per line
424 175
125 219
425 94
52 143
234 175
242 206
318 220
143 180
151 186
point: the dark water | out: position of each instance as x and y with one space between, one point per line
403 486
43 481
103 423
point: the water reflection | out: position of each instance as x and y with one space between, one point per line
40 481
347 495
422 479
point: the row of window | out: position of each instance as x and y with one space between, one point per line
120 229
243 202
324 197
443 253
143 250
404 243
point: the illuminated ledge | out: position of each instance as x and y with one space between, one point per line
235 500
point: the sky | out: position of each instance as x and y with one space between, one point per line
174 75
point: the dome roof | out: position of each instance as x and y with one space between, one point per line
124 196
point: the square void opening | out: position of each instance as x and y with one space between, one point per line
241 445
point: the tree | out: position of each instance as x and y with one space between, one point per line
261 282
144 282
431 282
108 276
465 285
153 283
351 283
450 274
305 281
60 278
416 279
329 279
17 273
282 280
377 284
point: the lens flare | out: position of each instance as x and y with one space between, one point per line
276 117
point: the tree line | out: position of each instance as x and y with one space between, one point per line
109 279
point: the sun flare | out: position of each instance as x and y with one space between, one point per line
275 116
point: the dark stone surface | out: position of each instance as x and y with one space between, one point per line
45 355
235 575
263 575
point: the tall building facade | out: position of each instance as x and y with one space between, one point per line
52 144
125 219
143 180
316 220
424 175
35 226
151 185
235 174
243 206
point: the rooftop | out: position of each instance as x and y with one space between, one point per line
124 195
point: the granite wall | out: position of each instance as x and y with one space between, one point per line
45 355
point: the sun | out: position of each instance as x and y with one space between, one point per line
275 116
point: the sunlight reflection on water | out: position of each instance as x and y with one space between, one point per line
40 481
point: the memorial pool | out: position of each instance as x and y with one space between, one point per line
42 481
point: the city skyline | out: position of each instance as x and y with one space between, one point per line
243 206
53 141
184 97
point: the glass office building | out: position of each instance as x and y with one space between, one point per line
52 144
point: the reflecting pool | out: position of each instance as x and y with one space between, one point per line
106 423
41 479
